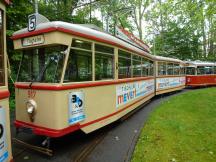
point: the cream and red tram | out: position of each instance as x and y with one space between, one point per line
72 77
5 135
200 73
170 74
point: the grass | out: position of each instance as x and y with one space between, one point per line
182 129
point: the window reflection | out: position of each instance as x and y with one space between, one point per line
137 66
79 65
124 64
104 62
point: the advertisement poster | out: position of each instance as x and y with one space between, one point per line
76 107
130 91
164 83
3 139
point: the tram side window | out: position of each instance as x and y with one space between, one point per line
161 68
176 69
209 69
170 69
136 66
214 69
104 62
200 70
147 67
2 77
182 70
76 43
79 66
190 70
151 68
124 64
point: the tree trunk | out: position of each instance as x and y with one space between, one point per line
203 31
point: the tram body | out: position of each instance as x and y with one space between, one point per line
72 77
5 135
170 75
200 73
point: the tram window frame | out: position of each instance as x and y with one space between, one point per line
87 74
211 70
164 68
170 66
81 44
2 63
145 65
124 56
182 70
176 69
104 55
151 68
136 65
190 70
200 70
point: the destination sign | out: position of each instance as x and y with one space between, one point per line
39 39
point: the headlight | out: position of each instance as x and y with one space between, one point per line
31 106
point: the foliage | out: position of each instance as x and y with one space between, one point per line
184 29
17 14
180 29
180 131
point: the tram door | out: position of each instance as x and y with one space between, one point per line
5 137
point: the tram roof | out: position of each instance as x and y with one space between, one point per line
81 31
162 58
200 63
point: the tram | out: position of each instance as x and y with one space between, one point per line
170 74
200 73
5 135
77 77
73 77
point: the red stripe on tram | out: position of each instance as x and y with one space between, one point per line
78 85
4 94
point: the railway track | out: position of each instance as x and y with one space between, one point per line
42 150
87 150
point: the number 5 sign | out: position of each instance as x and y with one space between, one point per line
31 22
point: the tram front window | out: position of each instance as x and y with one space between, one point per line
42 64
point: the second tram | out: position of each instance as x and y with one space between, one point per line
170 74
200 73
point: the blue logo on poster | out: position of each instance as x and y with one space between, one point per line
76 107
77 101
